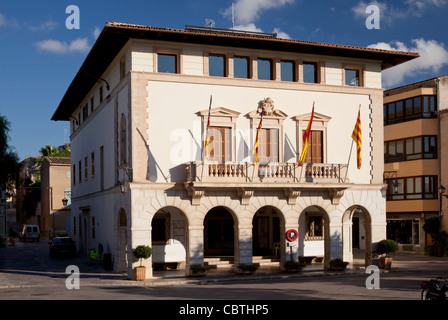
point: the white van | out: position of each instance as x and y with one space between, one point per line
30 232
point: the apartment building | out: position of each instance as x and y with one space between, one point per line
145 102
414 150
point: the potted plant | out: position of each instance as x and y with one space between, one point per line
244 268
198 270
141 252
338 264
293 266
386 247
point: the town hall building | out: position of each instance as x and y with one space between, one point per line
164 128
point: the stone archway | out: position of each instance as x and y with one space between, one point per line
122 251
169 239
315 241
219 233
357 236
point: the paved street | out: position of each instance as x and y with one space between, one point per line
27 272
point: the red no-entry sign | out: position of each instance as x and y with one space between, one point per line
292 235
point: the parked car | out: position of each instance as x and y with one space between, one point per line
30 232
62 246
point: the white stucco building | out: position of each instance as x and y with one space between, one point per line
139 109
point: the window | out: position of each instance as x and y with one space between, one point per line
241 67
160 228
269 150
423 187
352 77
265 71
79 172
93 228
80 225
314 228
410 109
74 226
167 63
395 190
429 106
424 147
123 67
310 72
123 157
287 70
220 148
217 65
92 164
403 231
413 148
430 147
74 174
92 100
85 113
85 168
315 147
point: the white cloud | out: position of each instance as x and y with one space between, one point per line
281 34
45 26
79 45
96 32
7 22
389 13
433 57
247 11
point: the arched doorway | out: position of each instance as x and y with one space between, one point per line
357 236
219 234
314 236
169 239
122 241
266 232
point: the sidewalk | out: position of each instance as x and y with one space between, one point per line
402 262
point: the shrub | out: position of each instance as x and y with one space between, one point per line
387 246
338 263
142 252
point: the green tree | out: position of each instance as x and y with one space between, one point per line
50 151
9 160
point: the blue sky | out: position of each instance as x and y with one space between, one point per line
39 56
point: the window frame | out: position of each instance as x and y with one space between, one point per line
282 62
271 68
427 101
224 65
406 194
316 71
248 67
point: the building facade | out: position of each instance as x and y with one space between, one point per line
413 152
55 215
139 110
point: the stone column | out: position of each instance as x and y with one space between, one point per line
195 246
244 253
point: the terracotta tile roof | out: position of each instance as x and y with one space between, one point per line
58 160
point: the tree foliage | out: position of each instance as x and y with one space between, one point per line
9 160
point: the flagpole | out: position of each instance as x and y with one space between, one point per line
204 154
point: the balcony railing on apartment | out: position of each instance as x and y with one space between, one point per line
266 172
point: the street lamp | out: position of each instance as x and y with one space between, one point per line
65 200
127 177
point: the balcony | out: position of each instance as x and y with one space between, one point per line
266 173
245 178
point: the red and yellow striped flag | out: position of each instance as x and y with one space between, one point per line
306 139
357 137
207 139
257 139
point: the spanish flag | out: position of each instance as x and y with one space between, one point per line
257 139
207 139
306 139
356 136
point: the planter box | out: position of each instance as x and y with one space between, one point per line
385 262
139 273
